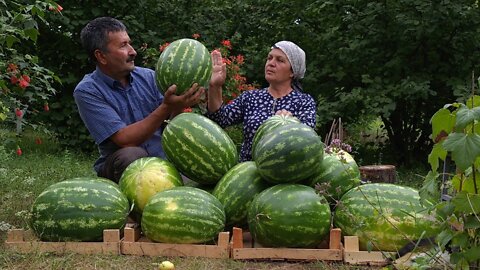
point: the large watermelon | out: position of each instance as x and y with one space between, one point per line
183 215
338 172
146 176
183 62
386 215
236 190
289 153
199 148
79 209
289 215
270 124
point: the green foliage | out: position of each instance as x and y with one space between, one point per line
456 135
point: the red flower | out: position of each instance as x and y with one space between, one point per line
227 61
18 113
19 151
46 107
58 8
23 83
26 78
196 36
38 140
13 79
227 43
240 59
187 109
164 46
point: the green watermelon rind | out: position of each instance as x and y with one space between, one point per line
78 209
199 148
183 215
384 216
289 215
183 62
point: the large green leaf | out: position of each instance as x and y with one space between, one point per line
466 116
442 120
466 203
464 147
438 152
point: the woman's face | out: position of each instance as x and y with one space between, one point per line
277 67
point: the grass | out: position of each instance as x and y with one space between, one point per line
23 178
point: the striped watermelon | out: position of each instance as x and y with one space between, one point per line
183 62
338 172
79 209
288 154
146 176
236 190
183 215
386 215
289 215
270 124
199 148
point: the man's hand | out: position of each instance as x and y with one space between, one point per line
176 103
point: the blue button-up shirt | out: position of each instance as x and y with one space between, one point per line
105 107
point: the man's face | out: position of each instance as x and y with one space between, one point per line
118 59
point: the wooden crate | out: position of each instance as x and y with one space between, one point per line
25 242
353 255
134 243
242 247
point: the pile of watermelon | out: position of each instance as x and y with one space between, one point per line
289 195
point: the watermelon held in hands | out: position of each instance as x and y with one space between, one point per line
387 216
183 215
289 215
79 209
288 154
338 172
199 148
146 176
183 63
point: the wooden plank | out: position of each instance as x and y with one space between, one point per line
16 240
353 255
134 244
242 248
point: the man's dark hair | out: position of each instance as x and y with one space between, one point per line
95 34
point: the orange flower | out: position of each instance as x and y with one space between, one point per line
196 36
227 44
12 68
163 46
187 109
58 8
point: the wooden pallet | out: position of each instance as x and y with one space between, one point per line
134 243
242 240
25 242
353 255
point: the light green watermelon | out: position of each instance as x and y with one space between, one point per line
337 173
146 176
289 215
236 190
183 215
387 216
183 62
199 148
289 154
270 124
79 209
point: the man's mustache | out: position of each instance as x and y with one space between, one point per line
131 58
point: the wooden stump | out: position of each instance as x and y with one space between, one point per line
378 173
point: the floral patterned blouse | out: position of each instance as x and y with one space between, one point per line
253 107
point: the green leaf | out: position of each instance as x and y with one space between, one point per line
32 33
10 40
442 122
464 147
429 192
472 222
444 237
466 203
466 116
437 153
473 101
466 183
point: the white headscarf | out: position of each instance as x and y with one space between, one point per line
295 55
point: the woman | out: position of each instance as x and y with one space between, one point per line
284 67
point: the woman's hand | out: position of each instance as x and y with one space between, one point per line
283 112
219 70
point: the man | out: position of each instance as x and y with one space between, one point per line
120 103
